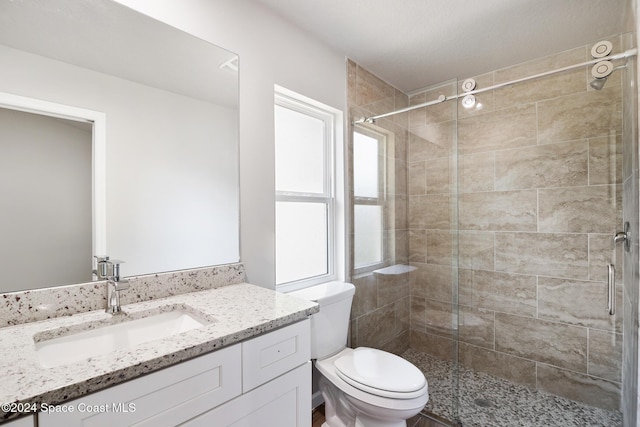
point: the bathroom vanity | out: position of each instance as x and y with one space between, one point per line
246 363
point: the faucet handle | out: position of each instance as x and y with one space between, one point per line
102 269
116 268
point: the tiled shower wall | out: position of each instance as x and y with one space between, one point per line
537 199
380 310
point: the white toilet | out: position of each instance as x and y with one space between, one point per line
362 387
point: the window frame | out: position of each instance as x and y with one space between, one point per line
381 200
287 99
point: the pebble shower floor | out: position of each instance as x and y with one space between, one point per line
488 401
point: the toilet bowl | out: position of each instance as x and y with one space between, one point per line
362 387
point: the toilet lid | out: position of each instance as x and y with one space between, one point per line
381 373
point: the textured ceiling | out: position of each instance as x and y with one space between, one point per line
413 44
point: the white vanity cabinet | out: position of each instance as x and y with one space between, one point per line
264 381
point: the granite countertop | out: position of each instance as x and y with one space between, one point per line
235 312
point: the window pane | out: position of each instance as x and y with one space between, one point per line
301 241
367 235
299 152
365 165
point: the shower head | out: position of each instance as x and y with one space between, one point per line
598 84
601 72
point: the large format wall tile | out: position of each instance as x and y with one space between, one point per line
476 326
605 160
376 327
540 89
590 209
508 128
432 281
552 165
556 255
434 345
575 386
583 115
548 342
432 212
605 355
439 247
509 293
440 320
498 210
432 141
476 172
502 365
476 250
576 302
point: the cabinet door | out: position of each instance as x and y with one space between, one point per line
163 398
283 402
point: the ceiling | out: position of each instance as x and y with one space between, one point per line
413 44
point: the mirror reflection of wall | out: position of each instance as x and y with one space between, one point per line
45 185
172 198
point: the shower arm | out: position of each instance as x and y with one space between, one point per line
442 98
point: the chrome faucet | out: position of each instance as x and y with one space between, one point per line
114 286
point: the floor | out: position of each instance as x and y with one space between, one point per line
488 401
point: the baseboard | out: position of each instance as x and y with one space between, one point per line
316 399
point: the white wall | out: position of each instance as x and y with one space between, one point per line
271 51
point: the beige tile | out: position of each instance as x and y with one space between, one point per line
418 317
439 247
583 115
542 88
398 344
498 210
508 128
417 178
432 141
605 355
351 82
440 320
391 288
402 308
418 116
443 112
551 165
502 365
440 175
397 180
476 250
605 160
418 246
477 172
370 89
376 327
434 345
547 342
476 326
588 209
583 388
556 255
431 211
601 253
504 292
576 302
366 297
432 281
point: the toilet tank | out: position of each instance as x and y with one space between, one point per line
330 326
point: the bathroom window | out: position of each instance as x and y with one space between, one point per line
368 200
305 137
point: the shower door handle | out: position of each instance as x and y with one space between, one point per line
612 288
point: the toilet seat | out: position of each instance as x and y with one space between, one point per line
380 373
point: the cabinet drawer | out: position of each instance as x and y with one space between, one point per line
273 354
164 398
283 402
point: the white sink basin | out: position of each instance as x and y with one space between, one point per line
83 345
